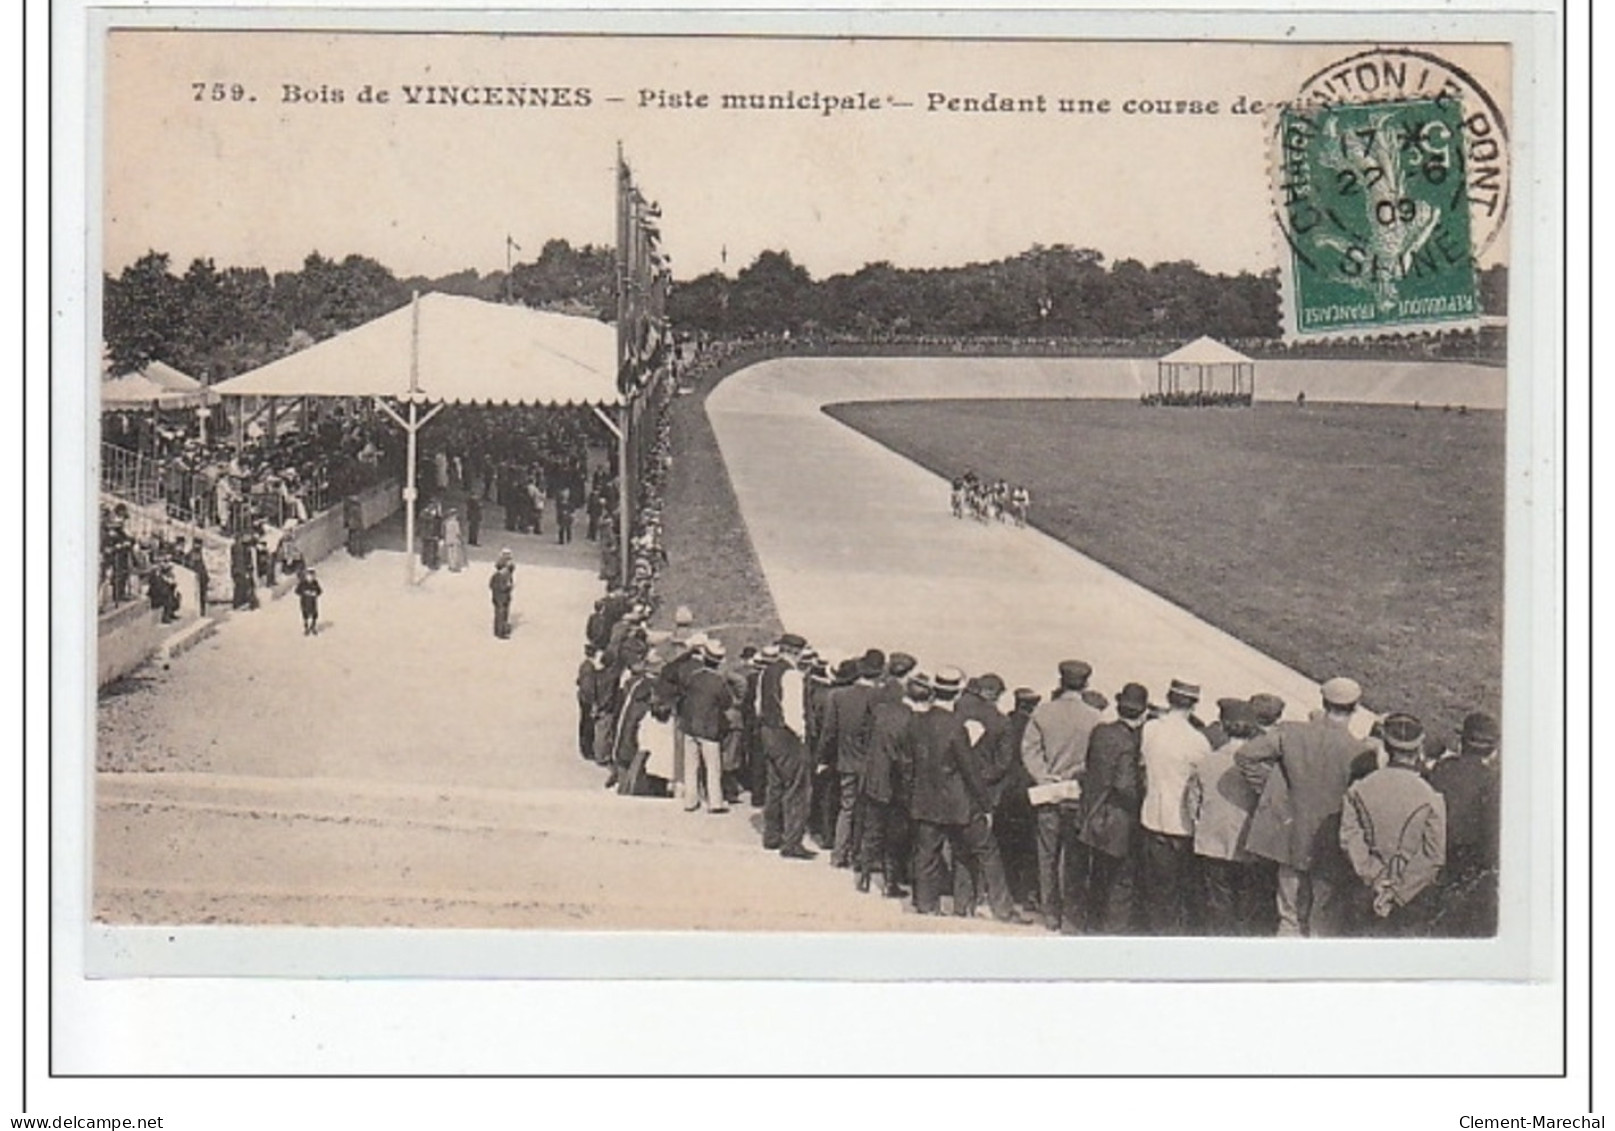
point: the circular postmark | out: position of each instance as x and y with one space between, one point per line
1384 74
1391 178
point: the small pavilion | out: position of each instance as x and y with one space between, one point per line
1205 366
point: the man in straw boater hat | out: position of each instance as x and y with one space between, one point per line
843 745
1301 771
950 804
1393 828
1171 747
703 710
782 714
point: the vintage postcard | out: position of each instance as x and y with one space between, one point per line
1044 499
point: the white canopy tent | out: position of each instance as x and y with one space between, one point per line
156 384
1206 359
448 349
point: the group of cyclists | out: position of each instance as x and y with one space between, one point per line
984 501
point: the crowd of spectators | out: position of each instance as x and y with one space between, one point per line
1133 813
198 477
1126 814
1196 399
169 482
1486 345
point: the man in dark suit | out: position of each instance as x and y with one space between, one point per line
1469 782
753 769
588 692
563 516
1014 823
950 804
782 712
884 841
631 699
502 586
843 745
994 759
1112 794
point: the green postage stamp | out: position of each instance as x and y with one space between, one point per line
1374 202
1390 176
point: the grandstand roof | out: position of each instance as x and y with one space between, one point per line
158 382
470 352
168 377
1206 351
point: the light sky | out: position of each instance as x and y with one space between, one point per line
433 189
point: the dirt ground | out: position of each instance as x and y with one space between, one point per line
404 767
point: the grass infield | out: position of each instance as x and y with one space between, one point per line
711 567
1364 540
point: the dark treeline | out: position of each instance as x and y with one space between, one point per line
1053 292
214 323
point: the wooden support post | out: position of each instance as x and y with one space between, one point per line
625 522
409 497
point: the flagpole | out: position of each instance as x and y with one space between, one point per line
624 492
414 426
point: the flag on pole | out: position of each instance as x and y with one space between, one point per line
644 278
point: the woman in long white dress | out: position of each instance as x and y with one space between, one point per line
453 541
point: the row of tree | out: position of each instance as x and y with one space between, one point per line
215 323
1055 291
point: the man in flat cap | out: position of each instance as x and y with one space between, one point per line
892 683
782 714
1393 829
1014 822
1301 771
1054 750
1171 748
1220 805
1469 782
1268 709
